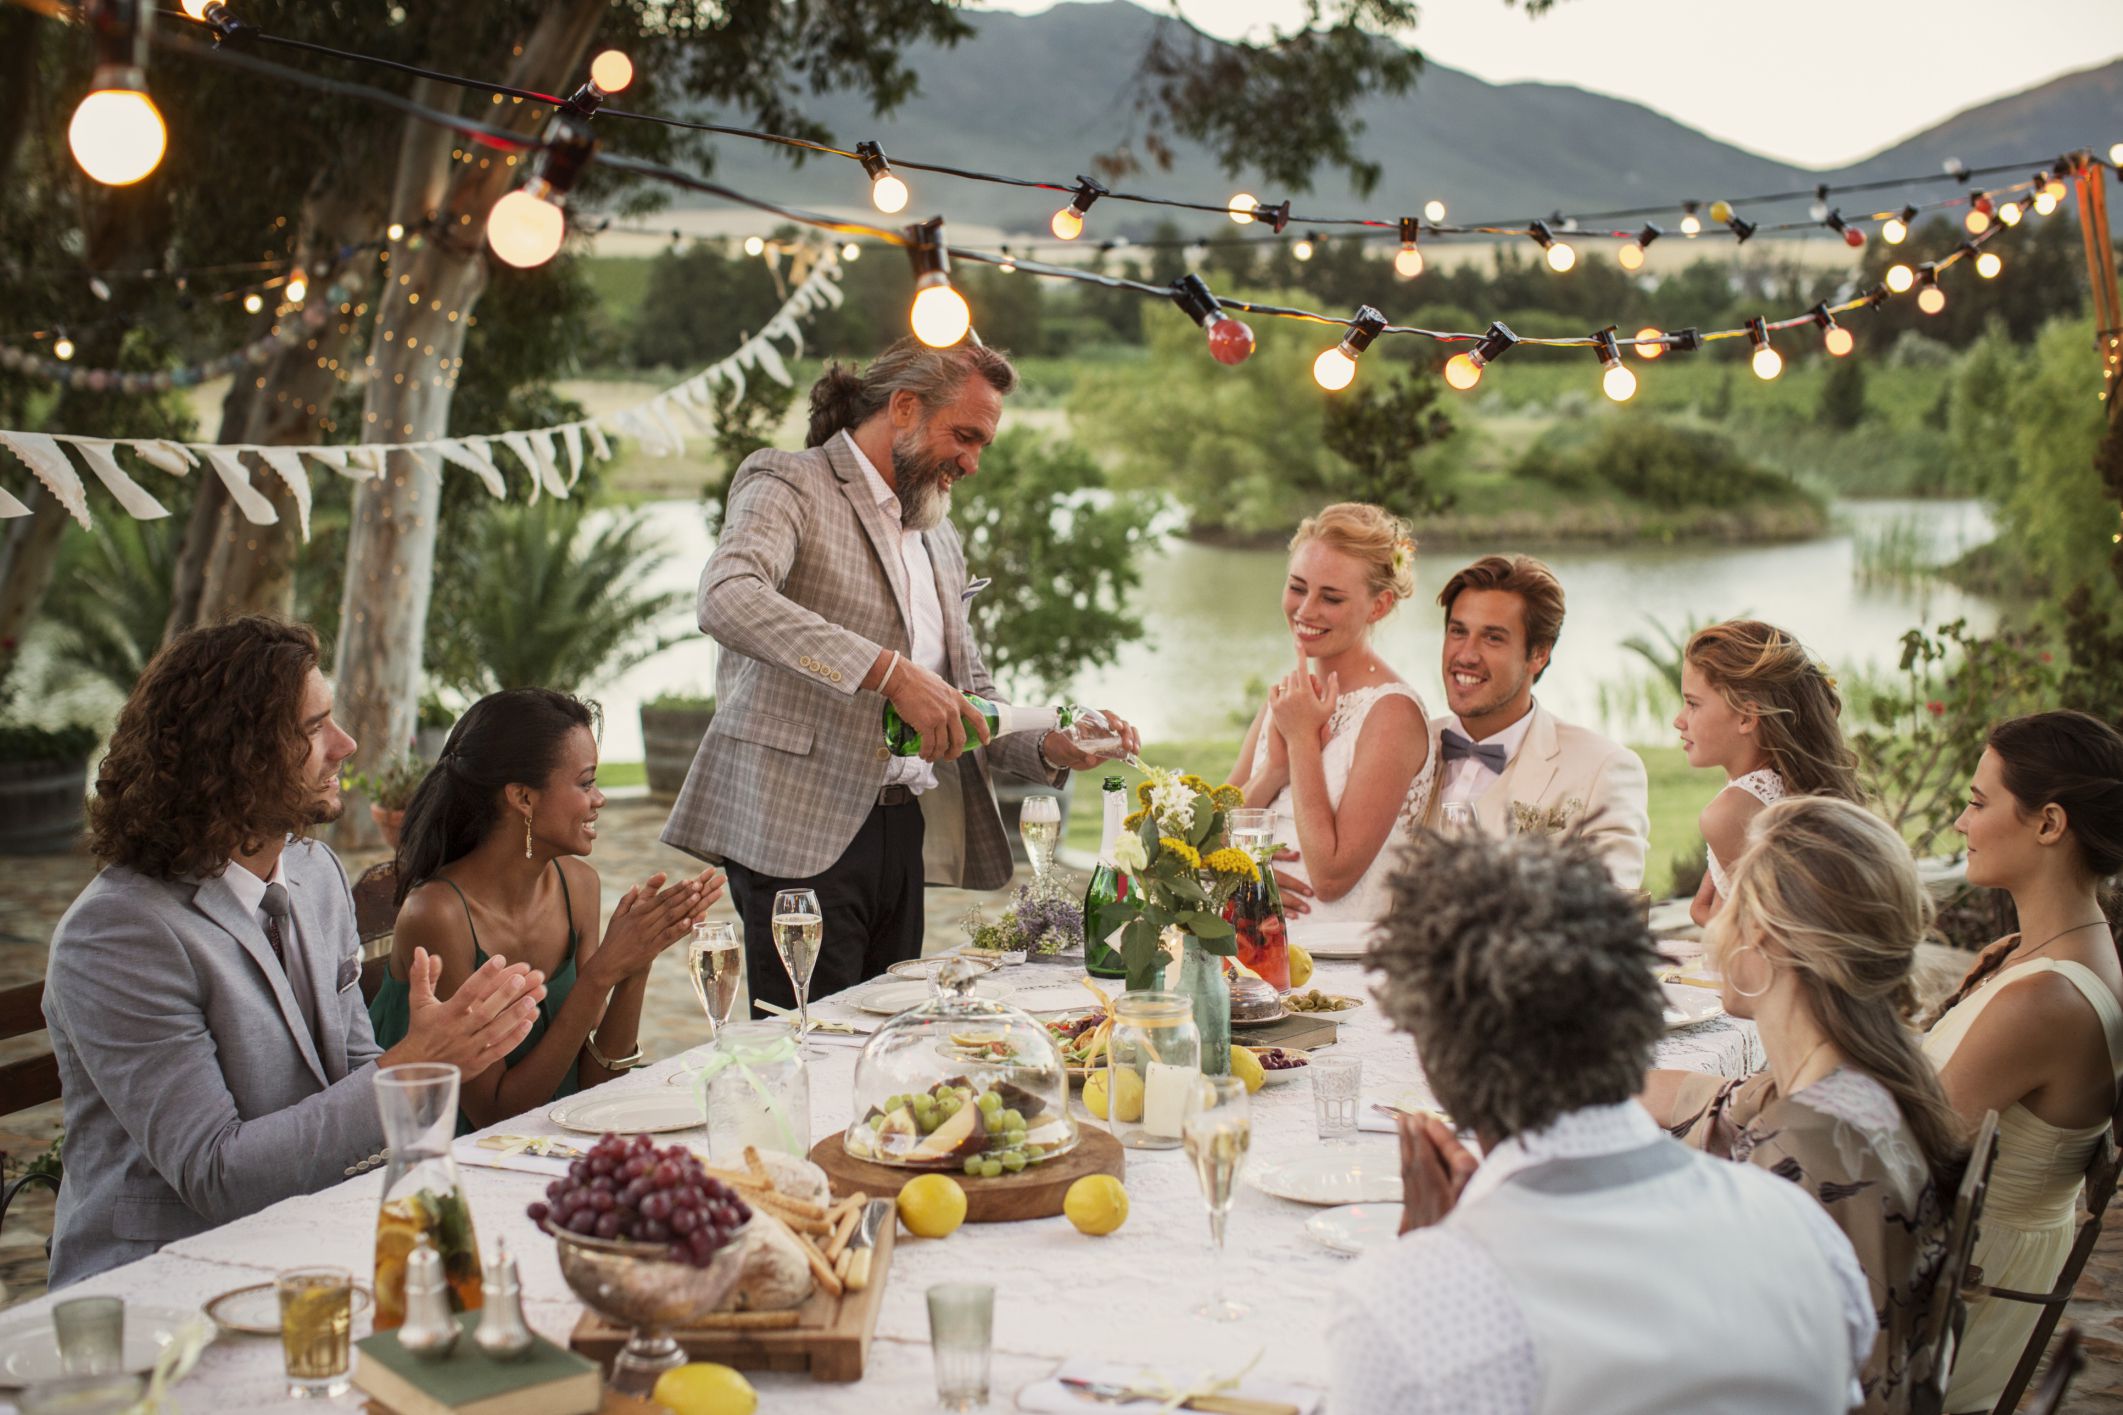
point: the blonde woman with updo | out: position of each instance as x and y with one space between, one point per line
1816 942
1754 702
1341 749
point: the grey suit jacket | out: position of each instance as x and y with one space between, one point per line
194 1093
804 589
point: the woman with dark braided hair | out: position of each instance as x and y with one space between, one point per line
489 865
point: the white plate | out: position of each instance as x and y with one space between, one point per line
1289 1073
1334 1177
1687 1005
1332 940
889 999
1356 1228
628 1112
927 968
29 1348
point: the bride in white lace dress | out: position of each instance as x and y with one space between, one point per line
1341 749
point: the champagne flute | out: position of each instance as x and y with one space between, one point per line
1457 819
1039 823
1216 1127
798 929
716 965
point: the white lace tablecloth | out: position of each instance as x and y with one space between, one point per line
1128 1296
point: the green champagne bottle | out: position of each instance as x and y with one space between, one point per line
1109 886
1002 719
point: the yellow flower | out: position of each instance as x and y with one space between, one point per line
1195 784
1181 848
1136 820
1232 861
1142 793
1228 797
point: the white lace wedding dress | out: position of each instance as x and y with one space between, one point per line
1366 902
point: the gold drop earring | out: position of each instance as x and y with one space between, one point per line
527 835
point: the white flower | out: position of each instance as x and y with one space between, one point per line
1128 853
1173 805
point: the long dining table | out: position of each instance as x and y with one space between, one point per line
1127 1297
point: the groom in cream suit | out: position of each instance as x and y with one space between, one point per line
1515 763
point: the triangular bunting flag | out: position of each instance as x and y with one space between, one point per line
255 508
172 457
43 457
130 495
288 465
472 456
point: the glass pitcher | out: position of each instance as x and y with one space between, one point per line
421 1189
1256 910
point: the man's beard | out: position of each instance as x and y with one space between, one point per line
924 487
327 807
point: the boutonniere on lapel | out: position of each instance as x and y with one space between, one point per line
1532 818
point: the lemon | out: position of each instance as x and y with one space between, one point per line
1097 1204
932 1206
704 1388
1300 967
1247 1067
1096 1094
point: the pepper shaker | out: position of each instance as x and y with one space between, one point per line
502 1333
430 1327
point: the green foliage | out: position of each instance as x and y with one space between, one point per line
391 788
1061 553
1663 464
111 597
698 298
685 700
20 742
1665 655
1377 431
1843 394
1183 879
539 597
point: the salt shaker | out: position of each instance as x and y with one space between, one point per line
502 1333
430 1327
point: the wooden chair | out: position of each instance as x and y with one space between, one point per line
31 1081
375 918
1932 1369
2066 1363
2101 1175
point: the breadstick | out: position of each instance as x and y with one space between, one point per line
820 1268
747 1321
757 1165
842 1232
737 1179
783 1204
840 1266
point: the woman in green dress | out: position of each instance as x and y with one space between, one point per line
490 864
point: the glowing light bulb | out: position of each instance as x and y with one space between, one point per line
1561 257
1691 225
940 316
1838 341
1900 278
1618 383
2044 203
1302 250
755 246
1068 223
1931 299
524 229
2115 155
117 134
1721 212
63 348
2010 213
298 289
1894 231
395 231
196 9
1240 208
1649 351
1631 256
1408 262
1462 372
851 251
1768 363
1988 264
1977 221
611 71
1434 210
1333 370
253 302
888 194
2054 189
1230 342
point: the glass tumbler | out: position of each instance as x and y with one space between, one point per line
962 1337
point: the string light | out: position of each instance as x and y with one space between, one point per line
2010 213
1852 236
1632 254
2045 200
1930 297
1741 229
2053 185
1895 229
1230 342
525 228
1068 223
253 302
117 134
1721 211
1408 260
1834 337
1302 250
1434 210
1336 367
887 192
1241 207
2115 156
1988 264
298 289
1819 210
1616 381
851 251
63 348
754 246
1463 371
1691 224
1900 277
1009 263
1977 221
1560 255
939 315
1647 345
612 71
1768 363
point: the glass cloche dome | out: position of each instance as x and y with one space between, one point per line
961 1083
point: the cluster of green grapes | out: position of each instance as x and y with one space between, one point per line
1006 1150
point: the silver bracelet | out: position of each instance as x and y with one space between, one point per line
632 1061
890 669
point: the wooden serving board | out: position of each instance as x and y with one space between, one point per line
830 1341
1036 1192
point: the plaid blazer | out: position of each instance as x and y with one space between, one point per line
804 589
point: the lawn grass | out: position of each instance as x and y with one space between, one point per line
610 774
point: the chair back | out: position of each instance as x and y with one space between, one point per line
376 919
1947 1310
2065 1364
32 1080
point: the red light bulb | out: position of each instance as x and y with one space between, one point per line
1852 236
1983 203
1229 341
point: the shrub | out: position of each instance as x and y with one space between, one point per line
1664 464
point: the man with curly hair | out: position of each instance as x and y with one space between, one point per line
203 992
1587 1262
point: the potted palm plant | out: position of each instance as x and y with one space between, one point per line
390 791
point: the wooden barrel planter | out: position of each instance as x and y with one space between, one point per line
42 806
670 738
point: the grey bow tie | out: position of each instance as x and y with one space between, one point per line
276 907
1457 745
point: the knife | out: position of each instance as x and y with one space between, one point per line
864 1244
1212 1404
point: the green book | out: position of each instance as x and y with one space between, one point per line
545 1380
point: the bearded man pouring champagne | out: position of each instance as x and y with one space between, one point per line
837 587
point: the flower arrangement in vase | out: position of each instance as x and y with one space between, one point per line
1184 871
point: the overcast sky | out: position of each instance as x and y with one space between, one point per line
1816 82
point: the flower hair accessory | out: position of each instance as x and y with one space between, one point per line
1403 555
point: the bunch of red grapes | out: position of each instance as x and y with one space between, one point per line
629 1189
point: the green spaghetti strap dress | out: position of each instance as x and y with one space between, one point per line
391 1014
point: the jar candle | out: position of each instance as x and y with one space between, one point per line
1154 1056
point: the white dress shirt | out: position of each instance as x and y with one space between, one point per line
925 613
250 892
1467 778
1701 1288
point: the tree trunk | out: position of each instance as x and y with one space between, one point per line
391 544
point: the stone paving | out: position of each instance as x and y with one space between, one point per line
34 892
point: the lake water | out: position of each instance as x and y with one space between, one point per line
1213 620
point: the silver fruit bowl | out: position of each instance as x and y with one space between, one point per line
638 1286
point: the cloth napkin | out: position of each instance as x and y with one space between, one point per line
468 1151
1051 1395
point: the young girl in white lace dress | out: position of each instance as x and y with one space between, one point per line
1754 702
1341 749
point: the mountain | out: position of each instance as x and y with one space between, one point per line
1039 95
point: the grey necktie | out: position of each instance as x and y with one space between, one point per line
276 908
